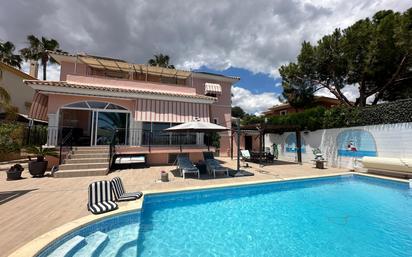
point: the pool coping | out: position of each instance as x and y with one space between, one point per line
37 245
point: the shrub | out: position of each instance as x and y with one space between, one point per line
11 137
343 116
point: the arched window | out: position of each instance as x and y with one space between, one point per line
94 105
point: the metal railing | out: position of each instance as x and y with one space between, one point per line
66 146
35 135
112 149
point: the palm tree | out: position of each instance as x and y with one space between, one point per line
161 60
7 54
38 50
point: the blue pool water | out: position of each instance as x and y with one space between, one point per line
336 216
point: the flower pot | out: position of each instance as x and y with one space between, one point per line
14 173
37 169
164 177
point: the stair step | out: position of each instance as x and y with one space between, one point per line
95 243
78 166
80 173
69 247
90 151
87 160
89 155
90 147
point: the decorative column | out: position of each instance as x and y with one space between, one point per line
53 130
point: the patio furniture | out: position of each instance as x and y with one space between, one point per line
320 164
100 197
208 155
129 161
245 156
186 166
214 166
119 192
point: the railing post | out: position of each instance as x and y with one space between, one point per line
150 141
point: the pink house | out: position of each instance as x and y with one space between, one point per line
97 95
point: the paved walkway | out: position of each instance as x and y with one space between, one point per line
33 206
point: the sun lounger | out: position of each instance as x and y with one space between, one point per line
245 156
119 192
208 155
186 166
100 197
214 166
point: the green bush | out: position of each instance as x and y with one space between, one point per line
11 137
343 116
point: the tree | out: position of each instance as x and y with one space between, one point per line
161 60
238 112
38 50
5 104
7 54
373 54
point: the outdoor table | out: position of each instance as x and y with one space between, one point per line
320 164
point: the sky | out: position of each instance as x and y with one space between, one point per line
250 38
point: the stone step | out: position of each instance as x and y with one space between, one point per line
80 173
95 244
91 147
79 166
91 151
88 155
87 160
69 247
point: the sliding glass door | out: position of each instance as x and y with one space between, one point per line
107 123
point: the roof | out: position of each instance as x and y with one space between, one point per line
15 71
65 84
107 63
317 99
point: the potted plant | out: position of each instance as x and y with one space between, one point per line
38 167
14 172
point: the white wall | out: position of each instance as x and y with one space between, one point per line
392 140
19 92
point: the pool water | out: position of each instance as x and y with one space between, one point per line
341 216
336 216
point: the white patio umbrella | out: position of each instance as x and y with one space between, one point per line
196 126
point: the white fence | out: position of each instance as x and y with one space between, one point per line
342 147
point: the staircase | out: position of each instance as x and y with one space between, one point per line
85 161
82 246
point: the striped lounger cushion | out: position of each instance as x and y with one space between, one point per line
100 197
119 192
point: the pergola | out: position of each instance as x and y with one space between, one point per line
263 128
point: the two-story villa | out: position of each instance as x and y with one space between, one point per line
97 95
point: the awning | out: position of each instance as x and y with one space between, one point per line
118 65
170 111
38 109
212 88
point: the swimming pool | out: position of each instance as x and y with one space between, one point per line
334 216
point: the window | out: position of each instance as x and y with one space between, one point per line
283 113
95 105
154 134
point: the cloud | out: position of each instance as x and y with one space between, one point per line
253 103
258 35
53 71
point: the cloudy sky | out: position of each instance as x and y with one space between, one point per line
250 39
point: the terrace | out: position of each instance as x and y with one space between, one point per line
40 205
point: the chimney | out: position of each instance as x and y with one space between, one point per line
34 68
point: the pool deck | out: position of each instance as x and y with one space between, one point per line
37 205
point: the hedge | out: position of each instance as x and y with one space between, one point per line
342 116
